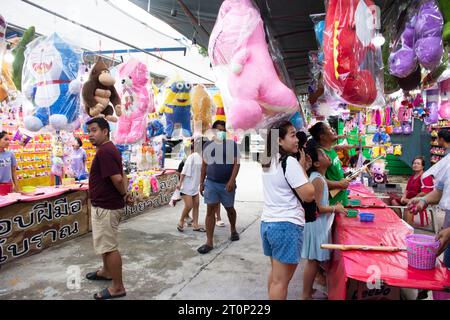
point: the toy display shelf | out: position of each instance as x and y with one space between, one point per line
437 152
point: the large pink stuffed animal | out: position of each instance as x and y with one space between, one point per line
240 56
136 100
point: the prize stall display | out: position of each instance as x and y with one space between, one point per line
437 152
32 156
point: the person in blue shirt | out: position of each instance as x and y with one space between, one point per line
220 167
8 163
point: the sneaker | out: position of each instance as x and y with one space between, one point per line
234 236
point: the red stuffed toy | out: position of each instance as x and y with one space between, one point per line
347 41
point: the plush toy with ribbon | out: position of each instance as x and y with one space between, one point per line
177 106
350 65
240 57
50 82
132 88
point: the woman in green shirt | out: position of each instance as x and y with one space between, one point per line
326 137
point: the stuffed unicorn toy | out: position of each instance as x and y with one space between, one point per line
132 88
248 81
50 83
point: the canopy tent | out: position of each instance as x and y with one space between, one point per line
289 22
111 25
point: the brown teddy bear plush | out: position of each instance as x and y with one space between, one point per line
99 93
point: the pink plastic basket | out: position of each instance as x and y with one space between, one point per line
421 251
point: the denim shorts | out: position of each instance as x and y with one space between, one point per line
216 193
282 241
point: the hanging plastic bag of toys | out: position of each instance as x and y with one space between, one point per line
353 66
252 92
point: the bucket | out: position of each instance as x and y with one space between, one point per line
421 251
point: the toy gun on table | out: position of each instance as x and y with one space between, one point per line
349 178
347 247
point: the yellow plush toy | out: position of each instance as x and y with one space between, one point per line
398 150
201 109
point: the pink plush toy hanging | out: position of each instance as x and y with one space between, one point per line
378 117
244 67
132 88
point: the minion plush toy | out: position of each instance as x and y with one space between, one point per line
177 106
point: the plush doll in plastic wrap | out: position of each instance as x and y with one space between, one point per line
19 56
50 82
247 77
99 93
201 109
132 88
352 63
378 170
177 106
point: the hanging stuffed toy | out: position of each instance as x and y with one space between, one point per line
247 79
220 111
201 109
99 93
428 35
50 83
132 88
19 56
352 62
177 106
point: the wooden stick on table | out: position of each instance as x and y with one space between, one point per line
346 247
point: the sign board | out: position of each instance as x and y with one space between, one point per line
167 186
28 228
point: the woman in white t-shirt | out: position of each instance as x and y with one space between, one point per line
189 187
283 216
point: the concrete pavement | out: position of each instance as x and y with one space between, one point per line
158 261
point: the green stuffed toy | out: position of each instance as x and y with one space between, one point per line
444 6
19 56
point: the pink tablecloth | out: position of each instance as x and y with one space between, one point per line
388 230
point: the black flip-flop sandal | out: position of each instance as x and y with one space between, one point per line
199 230
204 249
94 276
106 295
179 228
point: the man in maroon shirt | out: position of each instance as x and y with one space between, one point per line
108 194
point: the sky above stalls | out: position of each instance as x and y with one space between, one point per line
119 19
